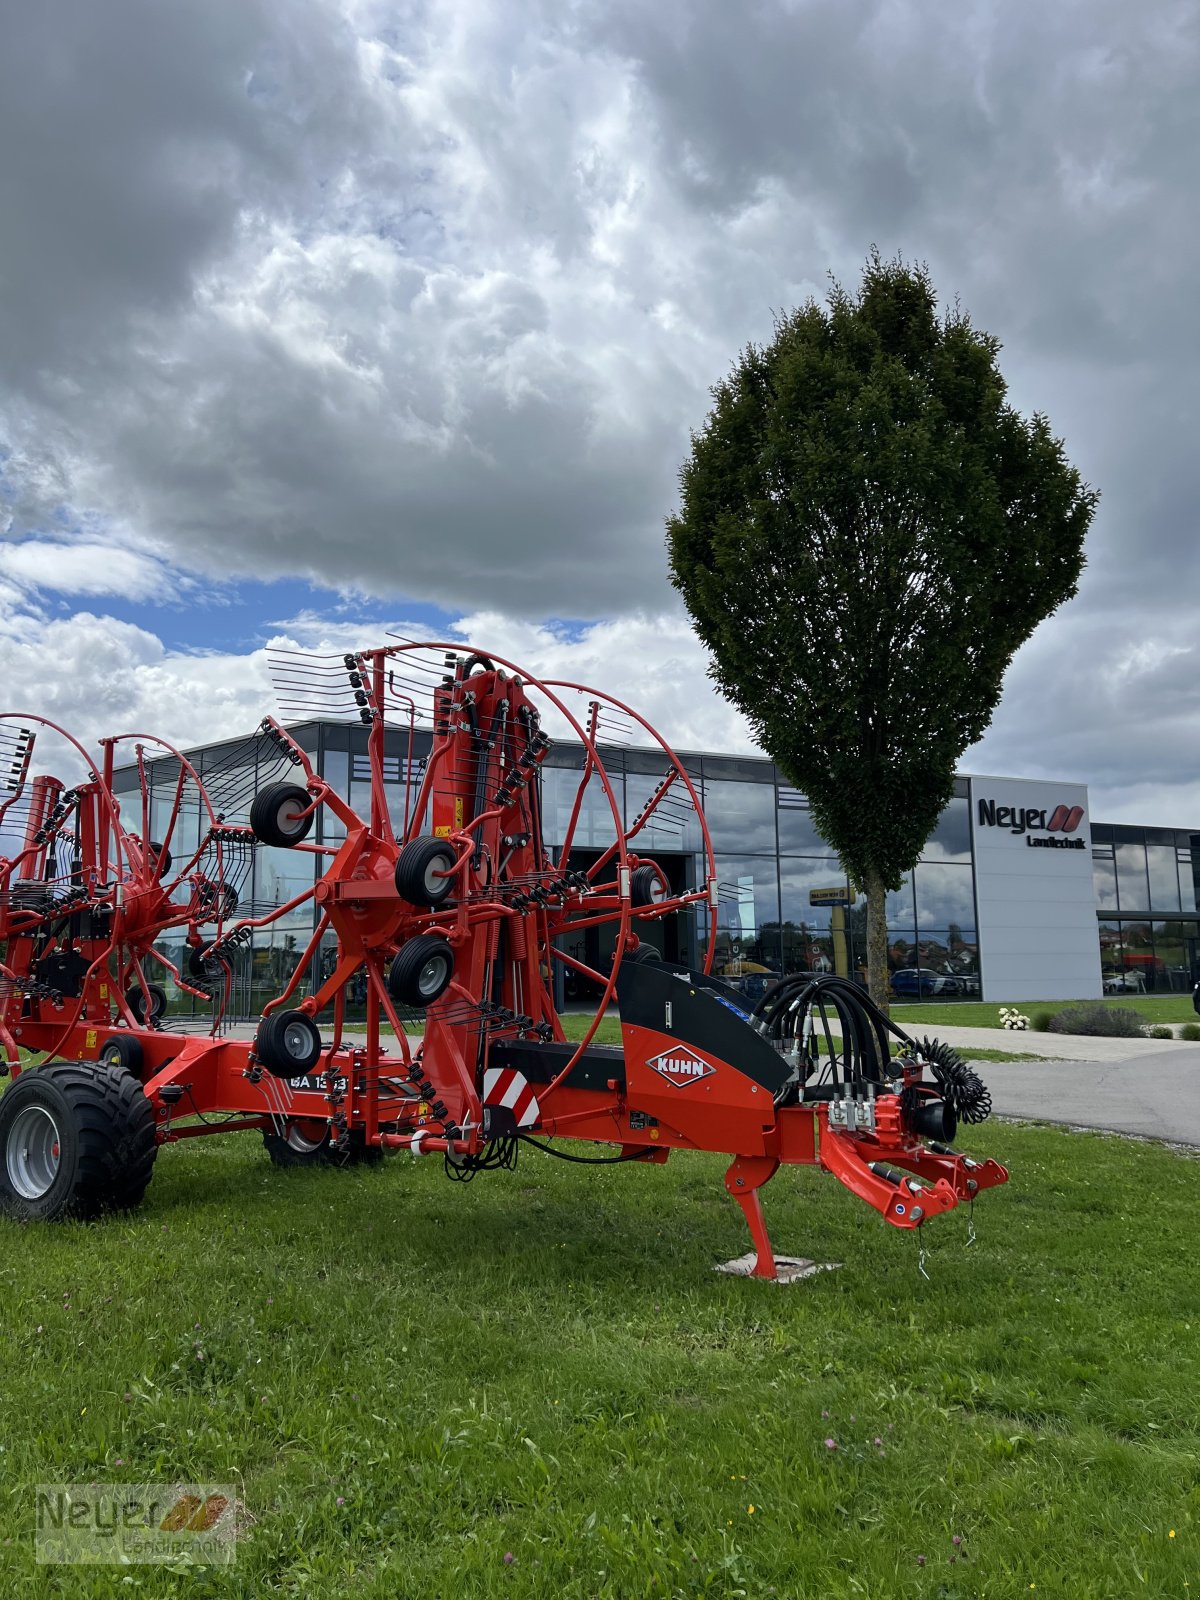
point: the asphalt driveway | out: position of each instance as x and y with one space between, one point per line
1156 1094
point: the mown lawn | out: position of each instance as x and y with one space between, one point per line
410 1380
983 1014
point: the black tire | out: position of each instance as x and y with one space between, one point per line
125 1052
288 1044
76 1139
421 971
275 814
204 969
295 1148
136 1001
644 952
417 869
162 856
647 886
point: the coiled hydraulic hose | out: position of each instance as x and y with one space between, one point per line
786 1011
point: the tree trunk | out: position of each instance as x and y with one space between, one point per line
877 962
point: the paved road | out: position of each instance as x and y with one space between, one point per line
1157 1094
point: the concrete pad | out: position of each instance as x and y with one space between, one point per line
790 1269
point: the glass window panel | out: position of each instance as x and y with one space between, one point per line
1112 952
594 829
951 838
1132 885
672 825
1174 954
798 835
741 816
280 875
747 917
951 956
1104 880
1187 879
1164 880
945 895
816 938
799 877
901 913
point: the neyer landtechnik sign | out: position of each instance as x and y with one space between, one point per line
1031 821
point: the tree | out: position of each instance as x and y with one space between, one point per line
867 532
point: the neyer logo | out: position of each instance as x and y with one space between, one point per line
680 1067
1023 819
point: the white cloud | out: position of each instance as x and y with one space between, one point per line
421 302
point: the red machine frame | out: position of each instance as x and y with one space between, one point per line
459 915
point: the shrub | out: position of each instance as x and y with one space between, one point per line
1040 1022
1160 1031
1117 1022
1191 1032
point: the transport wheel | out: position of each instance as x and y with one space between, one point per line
144 1011
421 971
125 1052
277 814
648 886
288 1044
203 969
76 1139
304 1142
307 1142
644 952
419 870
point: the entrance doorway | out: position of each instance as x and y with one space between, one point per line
674 937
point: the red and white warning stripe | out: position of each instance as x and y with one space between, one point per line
504 1087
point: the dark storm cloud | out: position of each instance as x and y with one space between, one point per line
423 299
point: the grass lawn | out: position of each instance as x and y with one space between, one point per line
408 1379
983 1014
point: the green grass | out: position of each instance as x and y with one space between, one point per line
984 1014
543 1363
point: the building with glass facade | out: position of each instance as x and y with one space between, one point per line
1015 896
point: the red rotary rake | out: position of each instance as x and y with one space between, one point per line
459 916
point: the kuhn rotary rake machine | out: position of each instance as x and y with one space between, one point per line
444 906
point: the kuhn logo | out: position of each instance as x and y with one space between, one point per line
1026 819
680 1067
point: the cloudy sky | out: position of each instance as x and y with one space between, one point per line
319 317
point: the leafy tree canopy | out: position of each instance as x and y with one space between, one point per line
867 532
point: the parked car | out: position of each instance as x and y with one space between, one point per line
918 983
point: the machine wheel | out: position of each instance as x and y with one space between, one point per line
288 1044
143 1013
125 1052
162 856
647 886
202 968
303 1143
644 952
421 971
418 870
76 1139
307 1142
276 815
